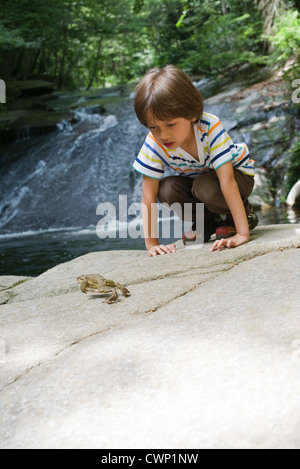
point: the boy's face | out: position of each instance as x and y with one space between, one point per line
172 134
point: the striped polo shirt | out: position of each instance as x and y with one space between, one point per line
215 148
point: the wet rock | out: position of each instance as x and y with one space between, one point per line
29 88
21 125
261 196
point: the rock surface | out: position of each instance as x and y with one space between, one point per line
205 353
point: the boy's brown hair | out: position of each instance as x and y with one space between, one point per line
167 93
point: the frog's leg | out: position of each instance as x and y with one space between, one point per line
123 289
113 297
83 286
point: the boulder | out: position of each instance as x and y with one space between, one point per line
261 196
203 354
22 125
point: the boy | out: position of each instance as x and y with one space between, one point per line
211 168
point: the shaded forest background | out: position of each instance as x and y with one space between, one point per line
84 43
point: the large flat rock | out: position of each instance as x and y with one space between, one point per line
205 353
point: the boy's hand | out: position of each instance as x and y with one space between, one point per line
232 242
161 249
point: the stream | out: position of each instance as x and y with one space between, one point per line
51 187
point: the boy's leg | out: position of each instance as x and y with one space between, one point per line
174 189
178 189
206 188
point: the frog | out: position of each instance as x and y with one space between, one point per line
98 283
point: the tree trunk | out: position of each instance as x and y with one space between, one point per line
61 74
94 70
224 7
35 59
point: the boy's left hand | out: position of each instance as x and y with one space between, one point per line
232 242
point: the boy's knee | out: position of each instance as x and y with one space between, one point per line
172 189
166 189
205 190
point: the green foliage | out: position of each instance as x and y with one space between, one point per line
185 11
10 39
138 5
89 42
220 42
286 40
72 42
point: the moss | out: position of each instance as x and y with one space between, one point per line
19 282
10 297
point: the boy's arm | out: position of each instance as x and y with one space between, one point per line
234 201
149 215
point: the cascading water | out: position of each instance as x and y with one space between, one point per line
51 186
60 179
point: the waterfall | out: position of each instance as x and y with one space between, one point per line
56 181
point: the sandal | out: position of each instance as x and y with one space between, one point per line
195 237
229 230
192 237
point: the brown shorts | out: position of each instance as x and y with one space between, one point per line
206 189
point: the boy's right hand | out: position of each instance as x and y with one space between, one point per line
161 249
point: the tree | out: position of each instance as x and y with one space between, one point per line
90 42
218 36
68 41
271 10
